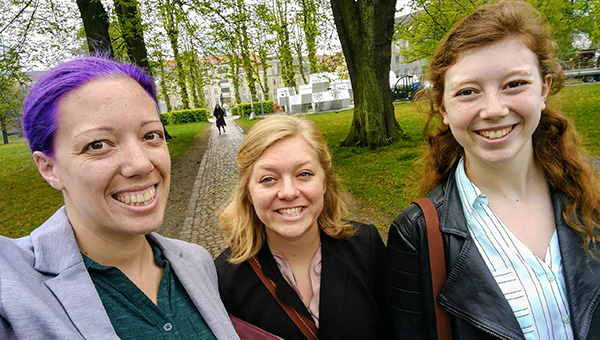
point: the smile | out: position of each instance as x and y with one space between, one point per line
137 199
495 134
290 211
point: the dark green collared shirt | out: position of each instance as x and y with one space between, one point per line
134 316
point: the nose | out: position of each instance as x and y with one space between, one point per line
494 106
136 161
288 190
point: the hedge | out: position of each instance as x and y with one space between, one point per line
184 116
245 109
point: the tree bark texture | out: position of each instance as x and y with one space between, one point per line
365 29
95 24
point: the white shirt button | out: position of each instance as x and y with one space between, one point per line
566 319
551 277
168 327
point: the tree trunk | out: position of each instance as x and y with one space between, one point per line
132 31
95 24
309 25
365 33
163 83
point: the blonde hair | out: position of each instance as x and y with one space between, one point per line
557 146
244 231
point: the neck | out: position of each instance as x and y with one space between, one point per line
123 252
299 249
513 180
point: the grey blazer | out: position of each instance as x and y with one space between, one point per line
46 292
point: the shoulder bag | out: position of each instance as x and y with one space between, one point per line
437 263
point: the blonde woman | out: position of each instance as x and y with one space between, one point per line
286 214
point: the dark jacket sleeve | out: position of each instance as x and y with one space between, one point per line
408 279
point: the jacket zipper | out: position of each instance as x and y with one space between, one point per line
492 333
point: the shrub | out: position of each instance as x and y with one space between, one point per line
184 116
245 109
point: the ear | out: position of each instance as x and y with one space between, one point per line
444 115
546 86
45 165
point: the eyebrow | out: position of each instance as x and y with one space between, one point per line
517 72
272 165
111 129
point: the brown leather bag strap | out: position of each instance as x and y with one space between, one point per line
437 263
304 323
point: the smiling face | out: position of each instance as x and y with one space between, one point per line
493 99
111 160
286 187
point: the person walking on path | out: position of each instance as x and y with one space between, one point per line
220 116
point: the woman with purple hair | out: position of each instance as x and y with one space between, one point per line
96 269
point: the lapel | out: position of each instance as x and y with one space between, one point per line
582 273
334 272
57 255
284 291
469 281
197 285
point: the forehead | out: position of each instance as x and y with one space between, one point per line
106 99
287 151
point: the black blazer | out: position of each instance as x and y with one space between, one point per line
351 305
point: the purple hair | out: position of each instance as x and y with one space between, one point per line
40 116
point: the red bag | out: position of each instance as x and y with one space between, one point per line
247 331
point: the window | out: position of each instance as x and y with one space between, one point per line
397 59
216 90
225 90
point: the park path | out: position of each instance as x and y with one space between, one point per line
215 181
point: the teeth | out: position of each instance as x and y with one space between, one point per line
495 134
137 199
290 211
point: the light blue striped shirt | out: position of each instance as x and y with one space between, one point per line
534 288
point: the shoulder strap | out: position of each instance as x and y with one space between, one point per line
304 323
437 263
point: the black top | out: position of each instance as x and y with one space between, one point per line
351 301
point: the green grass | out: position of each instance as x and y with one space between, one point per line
382 178
183 136
26 200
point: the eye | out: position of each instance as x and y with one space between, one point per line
515 84
153 136
266 180
96 145
465 92
305 174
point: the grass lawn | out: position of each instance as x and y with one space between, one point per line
383 178
27 200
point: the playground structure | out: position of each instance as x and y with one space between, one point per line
324 92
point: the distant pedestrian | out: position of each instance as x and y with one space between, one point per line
220 115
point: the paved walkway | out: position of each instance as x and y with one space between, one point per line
214 183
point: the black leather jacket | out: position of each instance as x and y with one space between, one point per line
470 293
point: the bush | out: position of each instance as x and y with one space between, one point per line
184 116
245 109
